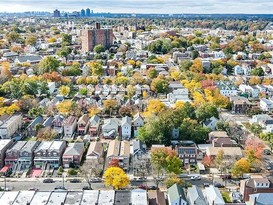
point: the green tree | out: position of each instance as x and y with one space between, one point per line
173 179
219 159
36 111
257 72
173 165
64 52
31 40
152 73
206 111
185 65
99 48
95 68
66 39
48 64
159 85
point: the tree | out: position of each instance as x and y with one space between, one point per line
116 177
110 105
206 111
185 65
114 162
27 102
197 66
122 80
52 40
5 70
207 161
31 40
64 52
254 146
159 85
83 91
151 73
89 170
126 111
219 159
93 111
240 167
257 72
66 39
155 106
47 134
254 80
64 90
173 179
66 107
36 111
99 48
48 64
130 90
95 68
173 165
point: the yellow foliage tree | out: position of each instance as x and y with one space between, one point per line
52 40
145 94
93 111
5 72
191 85
197 66
240 167
64 90
66 107
254 81
267 81
116 178
176 75
154 107
110 105
198 98
179 104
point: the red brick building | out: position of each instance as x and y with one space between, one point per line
93 37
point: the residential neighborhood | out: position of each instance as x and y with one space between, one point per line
102 109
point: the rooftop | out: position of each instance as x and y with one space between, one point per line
106 197
4 143
90 197
40 198
139 197
24 197
8 197
57 197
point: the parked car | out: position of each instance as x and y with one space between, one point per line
60 188
48 181
75 181
96 180
206 185
197 177
86 188
33 189
143 187
226 176
219 185
152 188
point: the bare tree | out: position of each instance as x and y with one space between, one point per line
89 170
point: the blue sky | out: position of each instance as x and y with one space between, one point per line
143 6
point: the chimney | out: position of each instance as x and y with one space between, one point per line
97 25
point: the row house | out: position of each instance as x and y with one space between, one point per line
57 124
240 104
251 91
73 154
94 125
70 125
4 145
266 105
9 125
95 153
31 127
83 124
126 127
119 150
49 154
137 122
26 155
12 154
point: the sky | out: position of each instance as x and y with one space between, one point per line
142 6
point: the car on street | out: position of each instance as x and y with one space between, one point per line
86 188
267 152
48 181
75 181
206 185
33 189
219 185
225 176
197 177
60 188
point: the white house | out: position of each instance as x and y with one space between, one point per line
9 125
252 91
51 87
211 123
266 105
70 125
227 89
213 196
238 70
126 127
137 122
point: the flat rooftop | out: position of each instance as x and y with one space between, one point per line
107 197
40 198
90 197
73 198
8 197
57 197
24 197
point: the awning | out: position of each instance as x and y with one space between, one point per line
5 168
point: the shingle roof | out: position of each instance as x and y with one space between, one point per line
175 192
74 149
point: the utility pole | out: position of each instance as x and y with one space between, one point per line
63 180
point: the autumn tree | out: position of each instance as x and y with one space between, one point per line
130 90
48 64
254 149
64 90
93 111
96 68
122 80
31 40
126 111
116 178
110 105
173 179
46 134
219 159
151 73
197 66
240 167
89 170
114 162
5 70
159 85
154 107
207 161
254 80
66 107
27 102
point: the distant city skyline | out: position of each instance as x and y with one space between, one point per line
142 6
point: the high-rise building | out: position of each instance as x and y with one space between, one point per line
82 13
88 14
56 13
96 36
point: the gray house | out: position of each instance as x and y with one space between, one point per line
195 196
176 195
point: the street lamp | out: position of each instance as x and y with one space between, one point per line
63 180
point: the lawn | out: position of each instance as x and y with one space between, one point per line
226 197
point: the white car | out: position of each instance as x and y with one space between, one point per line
196 177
